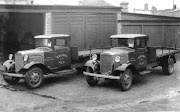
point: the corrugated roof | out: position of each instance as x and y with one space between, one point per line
52 36
15 1
95 3
128 35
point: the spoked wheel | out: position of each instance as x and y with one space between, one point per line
34 77
168 68
10 80
92 81
125 80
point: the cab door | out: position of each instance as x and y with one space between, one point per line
141 52
62 57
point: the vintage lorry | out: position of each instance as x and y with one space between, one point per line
52 55
129 56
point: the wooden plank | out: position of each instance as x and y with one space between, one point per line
88 52
165 52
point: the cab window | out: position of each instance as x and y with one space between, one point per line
60 43
131 43
123 42
43 43
140 43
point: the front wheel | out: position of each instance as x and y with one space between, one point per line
92 81
168 68
125 80
11 80
34 77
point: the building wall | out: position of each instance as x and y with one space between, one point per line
86 29
162 30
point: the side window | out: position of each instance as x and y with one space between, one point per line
59 44
140 43
131 43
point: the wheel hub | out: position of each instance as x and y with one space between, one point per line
35 77
127 79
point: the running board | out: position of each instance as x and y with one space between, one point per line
65 71
101 75
144 72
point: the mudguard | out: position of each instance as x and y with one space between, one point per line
173 57
94 64
123 67
8 64
28 65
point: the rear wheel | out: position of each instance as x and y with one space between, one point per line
125 80
92 81
168 68
34 77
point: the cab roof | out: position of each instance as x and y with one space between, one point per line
52 36
128 36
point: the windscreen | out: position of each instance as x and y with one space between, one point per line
43 43
123 42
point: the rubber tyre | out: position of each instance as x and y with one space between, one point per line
125 80
92 81
11 80
34 77
168 68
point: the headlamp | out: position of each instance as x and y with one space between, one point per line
10 56
94 57
117 59
25 57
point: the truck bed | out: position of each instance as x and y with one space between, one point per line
88 52
164 52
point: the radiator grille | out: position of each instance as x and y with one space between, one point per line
18 62
106 63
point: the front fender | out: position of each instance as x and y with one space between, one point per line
28 65
94 64
9 63
123 67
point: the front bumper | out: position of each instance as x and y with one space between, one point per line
14 75
101 75
3 72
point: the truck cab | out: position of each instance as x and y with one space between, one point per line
127 56
136 43
58 47
52 53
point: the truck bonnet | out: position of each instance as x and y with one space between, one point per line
32 51
121 51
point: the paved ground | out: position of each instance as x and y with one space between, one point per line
70 92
